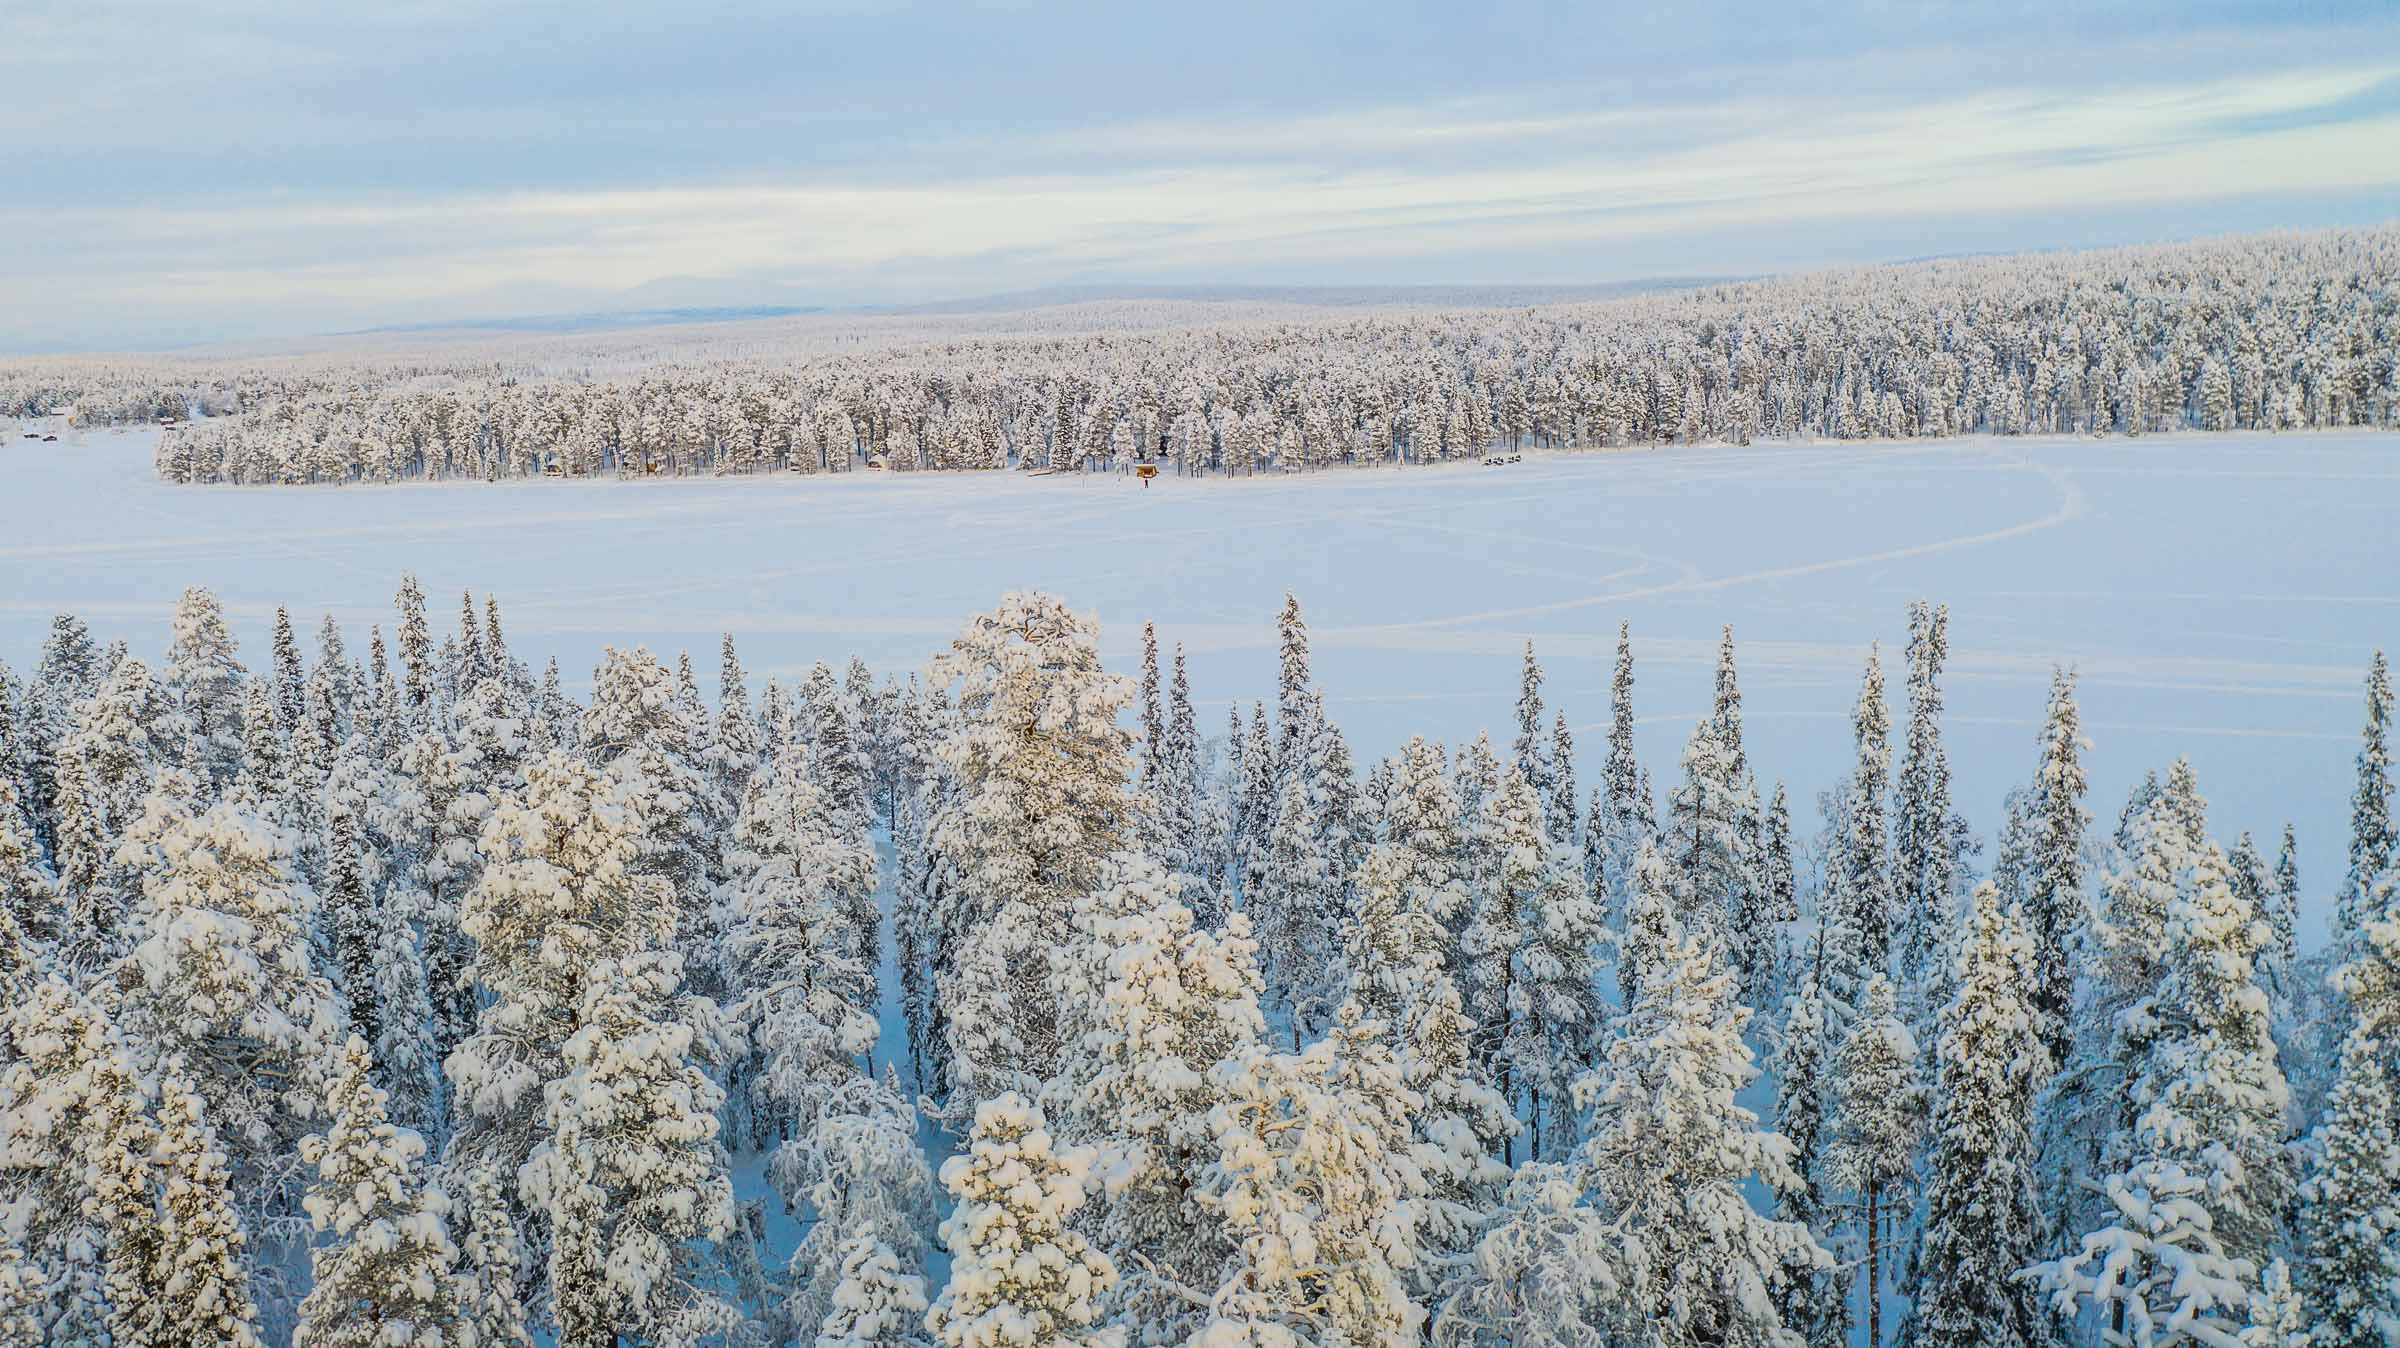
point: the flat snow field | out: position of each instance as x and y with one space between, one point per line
2220 595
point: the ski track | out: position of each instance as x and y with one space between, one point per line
2217 595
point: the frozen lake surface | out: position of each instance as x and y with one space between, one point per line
2219 594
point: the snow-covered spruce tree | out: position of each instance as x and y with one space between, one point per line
1559 799
1155 1004
202 1272
29 898
66 673
1879 1117
388 1276
1018 1274
1291 690
790 948
1253 786
1042 797
1297 906
290 677
1980 1224
1153 711
1554 1022
2371 834
1316 1185
1859 874
1667 1157
1177 788
221 978
1509 835
734 747
630 1173
2204 1193
1925 866
1725 712
1620 775
1813 1304
77 1179
2055 901
1712 829
1778 906
492 1258
1650 913
827 735
1422 818
2281 905
1399 982
2349 1225
203 681
1527 752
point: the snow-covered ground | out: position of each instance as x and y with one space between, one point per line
2219 594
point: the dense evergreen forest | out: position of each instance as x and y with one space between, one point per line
404 1000
2268 332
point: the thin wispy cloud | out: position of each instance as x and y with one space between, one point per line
332 209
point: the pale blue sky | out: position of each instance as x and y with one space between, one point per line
189 169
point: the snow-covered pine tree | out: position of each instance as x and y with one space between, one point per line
1177 788
2054 900
861 1173
203 682
826 733
1669 1152
876 1304
639 729
1540 1277
66 673
1296 903
2349 1224
562 897
1981 1228
1156 1003
1879 1117
1018 1273
2204 1191
1317 1188
203 1272
77 1176
1042 771
1620 774
1650 913
388 1274
220 978
631 1175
